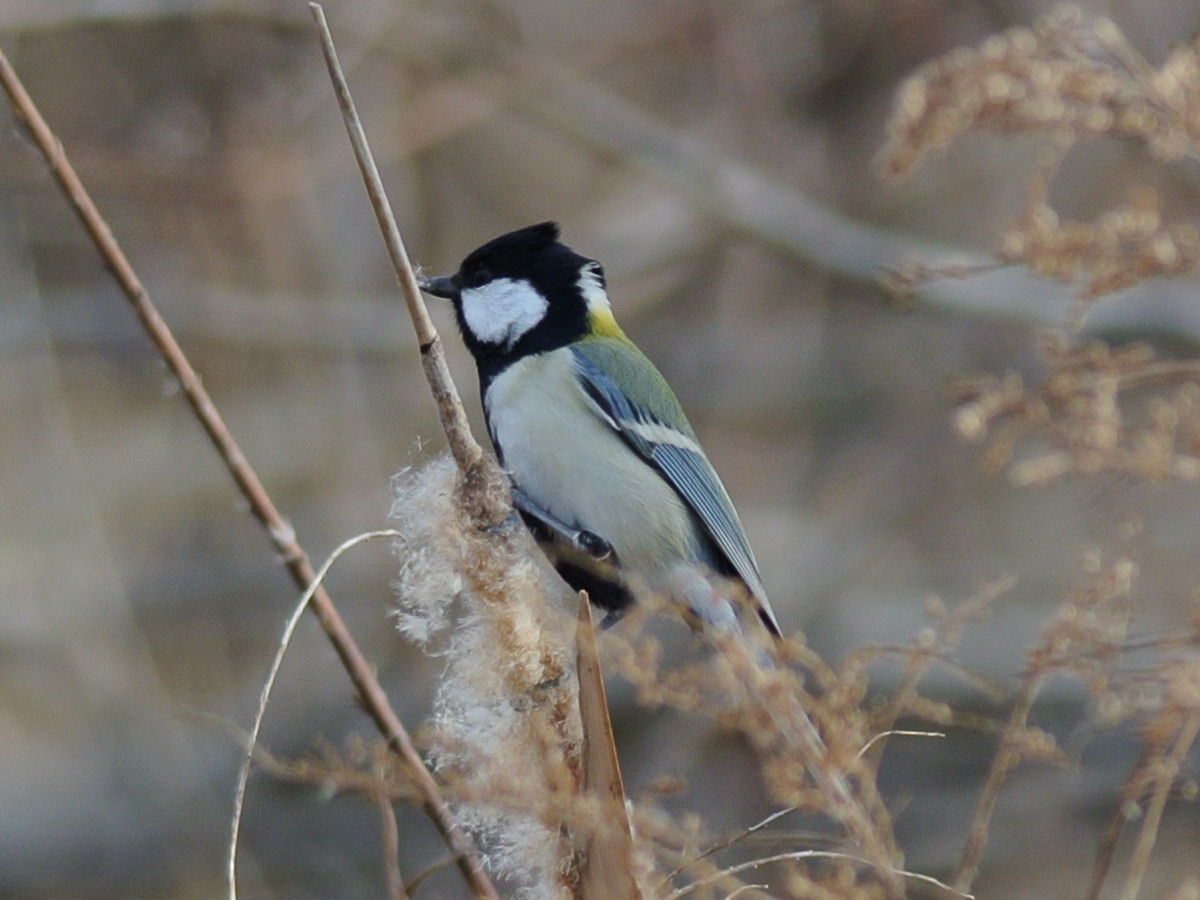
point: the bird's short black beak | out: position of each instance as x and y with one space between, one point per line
442 286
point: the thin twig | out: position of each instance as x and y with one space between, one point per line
465 449
1150 768
282 535
728 842
898 732
1005 760
945 635
239 797
991 688
391 847
796 855
1163 775
416 881
1107 848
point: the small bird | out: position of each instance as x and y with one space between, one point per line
605 468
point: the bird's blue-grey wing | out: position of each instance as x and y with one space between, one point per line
677 455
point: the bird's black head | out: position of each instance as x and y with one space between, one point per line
523 293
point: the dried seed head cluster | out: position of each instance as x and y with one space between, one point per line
505 729
809 741
1067 75
1090 627
1120 248
1100 410
1071 79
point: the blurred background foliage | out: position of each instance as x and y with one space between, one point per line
717 157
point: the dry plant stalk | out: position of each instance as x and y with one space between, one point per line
605 860
1081 640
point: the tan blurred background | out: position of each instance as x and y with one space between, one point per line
717 158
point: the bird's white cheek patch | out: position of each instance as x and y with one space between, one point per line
503 310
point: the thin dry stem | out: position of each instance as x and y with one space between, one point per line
1005 760
1170 733
1163 776
265 696
389 833
487 487
1081 638
927 880
930 647
362 768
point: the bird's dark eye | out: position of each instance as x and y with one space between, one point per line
477 278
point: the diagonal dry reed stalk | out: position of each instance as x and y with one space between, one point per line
262 506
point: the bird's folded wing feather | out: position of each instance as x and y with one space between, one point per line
677 455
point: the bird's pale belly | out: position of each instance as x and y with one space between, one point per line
572 464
